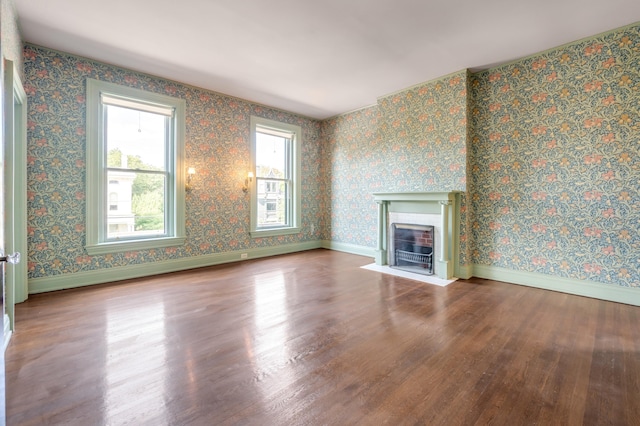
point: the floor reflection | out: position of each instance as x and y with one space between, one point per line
268 349
139 380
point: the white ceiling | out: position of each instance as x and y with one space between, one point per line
317 58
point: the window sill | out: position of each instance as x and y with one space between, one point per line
274 232
134 245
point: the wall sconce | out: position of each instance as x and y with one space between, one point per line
190 172
247 181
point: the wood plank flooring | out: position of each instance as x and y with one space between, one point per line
311 338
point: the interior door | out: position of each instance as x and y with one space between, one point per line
15 193
13 206
13 225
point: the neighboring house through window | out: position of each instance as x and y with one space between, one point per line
275 197
271 186
113 201
135 188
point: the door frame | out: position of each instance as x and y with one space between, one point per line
15 136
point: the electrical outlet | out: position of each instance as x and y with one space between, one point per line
313 228
244 255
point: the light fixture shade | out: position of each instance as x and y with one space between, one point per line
191 171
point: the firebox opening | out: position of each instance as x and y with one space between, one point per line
412 248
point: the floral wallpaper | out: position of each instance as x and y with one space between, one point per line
424 130
412 141
555 161
353 169
217 145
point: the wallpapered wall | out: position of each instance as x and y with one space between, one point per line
411 141
217 145
424 129
555 160
351 165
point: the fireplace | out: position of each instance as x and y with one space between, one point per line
412 248
438 210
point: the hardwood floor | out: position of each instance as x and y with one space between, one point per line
311 338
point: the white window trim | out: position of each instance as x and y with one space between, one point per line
296 178
96 192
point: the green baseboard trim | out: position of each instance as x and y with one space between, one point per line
101 276
609 292
613 293
349 248
445 269
464 271
381 257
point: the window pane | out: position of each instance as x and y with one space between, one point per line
272 203
139 209
271 156
135 139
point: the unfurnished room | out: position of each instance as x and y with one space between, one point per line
320 213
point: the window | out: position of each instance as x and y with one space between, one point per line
135 188
275 198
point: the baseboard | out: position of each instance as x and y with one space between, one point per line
613 293
610 292
81 279
349 248
464 271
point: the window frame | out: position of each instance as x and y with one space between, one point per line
294 203
97 191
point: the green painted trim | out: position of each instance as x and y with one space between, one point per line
81 279
414 207
552 49
381 257
133 245
20 187
349 248
444 269
609 292
15 141
463 271
415 196
262 233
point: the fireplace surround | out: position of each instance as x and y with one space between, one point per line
444 206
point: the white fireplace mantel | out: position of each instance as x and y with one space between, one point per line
446 204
